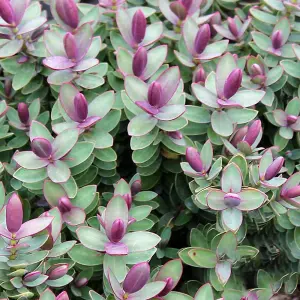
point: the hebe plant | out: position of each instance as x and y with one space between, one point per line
149 149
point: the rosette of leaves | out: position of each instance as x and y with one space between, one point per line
73 57
245 141
21 25
177 12
289 192
142 63
51 157
260 77
219 253
22 274
232 199
73 210
265 174
234 29
134 30
113 239
212 242
227 102
288 122
139 274
20 120
95 121
194 46
276 45
154 109
161 285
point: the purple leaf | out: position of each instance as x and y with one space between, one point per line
83 37
116 209
14 213
19 8
68 12
116 249
148 108
33 227
6 12
89 122
41 147
23 112
169 81
70 46
28 160
136 278
67 96
86 64
138 26
58 63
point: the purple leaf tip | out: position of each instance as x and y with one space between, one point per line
64 204
118 230
274 168
57 271
41 147
7 12
81 107
277 39
233 83
232 199
136 187
168 288
202 38
32 276
136 278
179 9
68 12
253 132
193 158
70 46
155 94
14 213
23 112
232 27
140 60
138 26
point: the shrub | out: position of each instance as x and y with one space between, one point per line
149 149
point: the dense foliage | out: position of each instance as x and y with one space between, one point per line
149 149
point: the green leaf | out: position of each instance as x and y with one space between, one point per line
31 176
136 89
221 123
232 218
58 171
90 81
177 296
147 241
204 258
80 153
205 292
85 196
141 125
92 238
241 116
197 114
85 256
291 68
262 41
102 104
11 48
23 77
60 282
205 96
